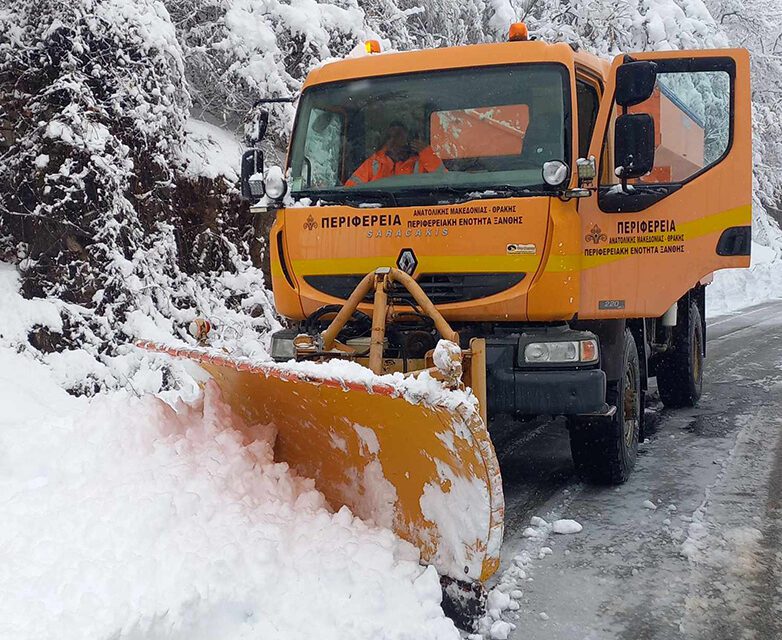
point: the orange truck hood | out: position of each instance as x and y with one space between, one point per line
487 245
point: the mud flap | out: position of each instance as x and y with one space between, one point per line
426 469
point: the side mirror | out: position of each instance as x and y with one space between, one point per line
263 122
635 82
634 145
255 130
252 174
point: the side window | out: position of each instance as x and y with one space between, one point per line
691 111
588 104
322 150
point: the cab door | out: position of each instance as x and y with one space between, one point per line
647 239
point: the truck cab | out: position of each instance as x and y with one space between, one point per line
567 209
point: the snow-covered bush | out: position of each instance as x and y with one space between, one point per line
97 205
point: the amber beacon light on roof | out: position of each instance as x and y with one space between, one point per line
518 32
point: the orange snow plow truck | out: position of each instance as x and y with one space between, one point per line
513 228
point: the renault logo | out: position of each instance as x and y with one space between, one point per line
407 261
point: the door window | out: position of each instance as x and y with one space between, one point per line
588 105
691 110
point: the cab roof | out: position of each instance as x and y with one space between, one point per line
383 64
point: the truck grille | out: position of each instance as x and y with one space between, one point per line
441 288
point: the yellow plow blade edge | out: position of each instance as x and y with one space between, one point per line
426 469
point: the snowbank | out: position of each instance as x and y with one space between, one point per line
735 289
129 517
87 369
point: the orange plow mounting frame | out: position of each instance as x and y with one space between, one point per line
412 456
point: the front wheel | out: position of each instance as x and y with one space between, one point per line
680 372
604 449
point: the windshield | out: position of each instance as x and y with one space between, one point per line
456 131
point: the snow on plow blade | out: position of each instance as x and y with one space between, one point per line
418 462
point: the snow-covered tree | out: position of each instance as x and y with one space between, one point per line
96 97
757 25
609 28
96 202
240 50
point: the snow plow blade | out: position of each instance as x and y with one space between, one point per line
414 457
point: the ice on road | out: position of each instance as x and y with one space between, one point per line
566 526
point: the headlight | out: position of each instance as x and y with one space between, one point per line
561 352
282 347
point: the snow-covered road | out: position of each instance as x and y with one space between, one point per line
691 546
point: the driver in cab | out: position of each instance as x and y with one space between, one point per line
398 156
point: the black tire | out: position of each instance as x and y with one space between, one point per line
604 450
680 372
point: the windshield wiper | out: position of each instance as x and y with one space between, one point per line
437 194
432 195
509 191
452 195
359 197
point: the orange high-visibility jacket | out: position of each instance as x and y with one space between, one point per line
379 165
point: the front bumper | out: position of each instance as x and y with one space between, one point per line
560 392
555 391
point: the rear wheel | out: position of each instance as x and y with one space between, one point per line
604 449
680 372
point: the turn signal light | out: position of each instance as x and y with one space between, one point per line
372 46
518 32
588 350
